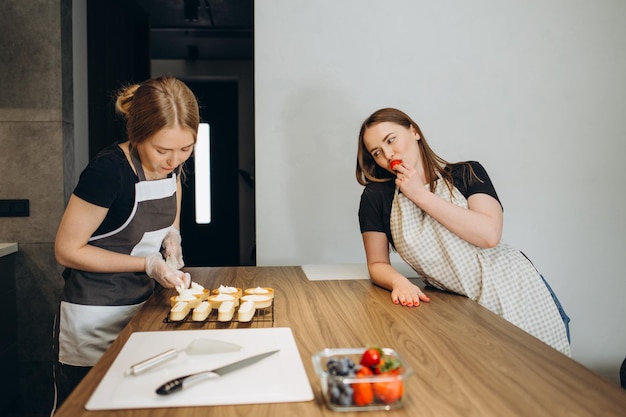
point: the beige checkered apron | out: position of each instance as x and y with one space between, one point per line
501 279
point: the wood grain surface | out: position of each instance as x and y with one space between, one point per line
466 361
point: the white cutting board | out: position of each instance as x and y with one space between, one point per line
277 378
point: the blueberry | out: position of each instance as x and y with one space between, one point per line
342 370
345 399
334 392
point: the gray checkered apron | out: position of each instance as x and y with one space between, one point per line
500 279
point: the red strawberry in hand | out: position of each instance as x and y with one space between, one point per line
394 163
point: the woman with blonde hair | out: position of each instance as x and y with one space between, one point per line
120 230
445 221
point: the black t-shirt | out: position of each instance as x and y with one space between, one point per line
377 197
109 181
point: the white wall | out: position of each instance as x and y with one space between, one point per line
534 89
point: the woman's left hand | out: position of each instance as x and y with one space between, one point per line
172 249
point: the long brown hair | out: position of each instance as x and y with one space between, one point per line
367 170
155 104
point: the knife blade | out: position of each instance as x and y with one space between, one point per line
178 384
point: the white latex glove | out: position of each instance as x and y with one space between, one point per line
187 282
157 269
172 249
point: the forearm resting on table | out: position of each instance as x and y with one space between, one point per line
384 274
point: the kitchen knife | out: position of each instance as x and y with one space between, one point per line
177 384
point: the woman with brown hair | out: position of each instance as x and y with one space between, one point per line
445 221
123 213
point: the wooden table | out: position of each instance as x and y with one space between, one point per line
466 360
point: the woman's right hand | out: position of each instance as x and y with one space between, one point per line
157 269
381 271
410 181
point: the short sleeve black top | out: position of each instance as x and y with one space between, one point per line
377 197
109 181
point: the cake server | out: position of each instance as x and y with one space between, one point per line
178 384
196 347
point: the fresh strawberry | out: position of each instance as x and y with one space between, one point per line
371 357
387 365
363 393
388 391
395 163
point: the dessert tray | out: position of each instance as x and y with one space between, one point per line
262 318
223 307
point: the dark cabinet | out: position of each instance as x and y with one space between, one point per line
9 361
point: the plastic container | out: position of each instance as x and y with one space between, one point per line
328 382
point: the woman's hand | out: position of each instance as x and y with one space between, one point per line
410 181
480 224
381 271
406 293
157 269
172 249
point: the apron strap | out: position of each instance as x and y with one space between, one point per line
134 156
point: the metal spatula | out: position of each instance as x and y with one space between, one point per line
196 347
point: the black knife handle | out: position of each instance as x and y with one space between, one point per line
170 387
179 383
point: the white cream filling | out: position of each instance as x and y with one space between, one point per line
223 289
223 297
256 298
